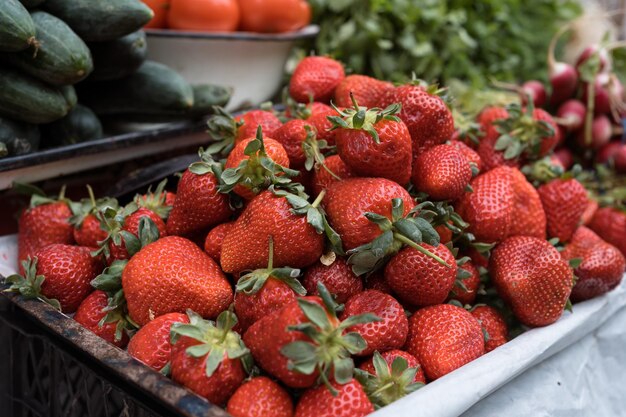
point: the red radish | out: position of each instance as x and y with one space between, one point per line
565 157
588 52
608 91
601 132
536 91
563 77
608 152
571 115
620 159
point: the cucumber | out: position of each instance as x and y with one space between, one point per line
154 89
205 96
80 125
29 100
17 30
69 92
17 138
118 58
60 57
101 20
31 3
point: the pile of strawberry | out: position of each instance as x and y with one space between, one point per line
329 259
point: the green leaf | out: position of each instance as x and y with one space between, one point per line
198 351
315 313
213 361
343 370
398 366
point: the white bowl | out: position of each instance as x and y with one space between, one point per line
251 63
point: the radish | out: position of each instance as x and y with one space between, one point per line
563 77
609 92
603 54
607 152
571 115
535 90
619 159
564 157
601 133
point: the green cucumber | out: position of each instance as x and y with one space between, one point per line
205 96
118 58
17 138
101 20
17 30
69 92
154 88
31 3
80 125
60 56
29 100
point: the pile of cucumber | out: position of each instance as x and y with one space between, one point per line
68 65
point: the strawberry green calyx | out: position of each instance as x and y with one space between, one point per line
388 385
155 201
362 118
441 213
397 232
313 151
462 274
112 220
258 171
87 206
217 340
206 164
29 284
542 171
222 128
252 282
521 133
330 348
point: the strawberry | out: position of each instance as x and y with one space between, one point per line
445 234
493 325
260 397
333 169
337 277
390 332
198 205
502 204
87 228
420 280
316 114
44 223
171 275
292 136
376 281
564 202
350 401
315 79
304 341
532 278
602 265
215 239
425 114
465 287
389 376
470 154
610 225
297 242
374 142
254 165
442 172
263 291
590 211
249 122
159 200
59 275
91 314
366 90
151 344
208 357
487 120
443 338
88 233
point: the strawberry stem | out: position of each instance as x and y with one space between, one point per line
270 262
92 197
419 248
318 199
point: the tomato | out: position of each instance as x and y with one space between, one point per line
204 15
159 7
271 16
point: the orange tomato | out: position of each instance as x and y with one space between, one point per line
272 16
204 15
159 7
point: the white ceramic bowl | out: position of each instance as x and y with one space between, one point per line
251 63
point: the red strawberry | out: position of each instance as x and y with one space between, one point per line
215 239
45 222
58 274
249 122
532 278
292 135
426 115
260 397
602 265
564 202
529 218
390 376
151 344
366 90
374 143
91 315
316 114
88 229
487 120
172 275
350 401
443 338
590 211
470 154
493 325
315 79
263 291
207 356
198 205
390 332
420 280
610 225
297 243
322 178
159 201
376 281
465 287
89 232
442 172
445 234
337 277
246 171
